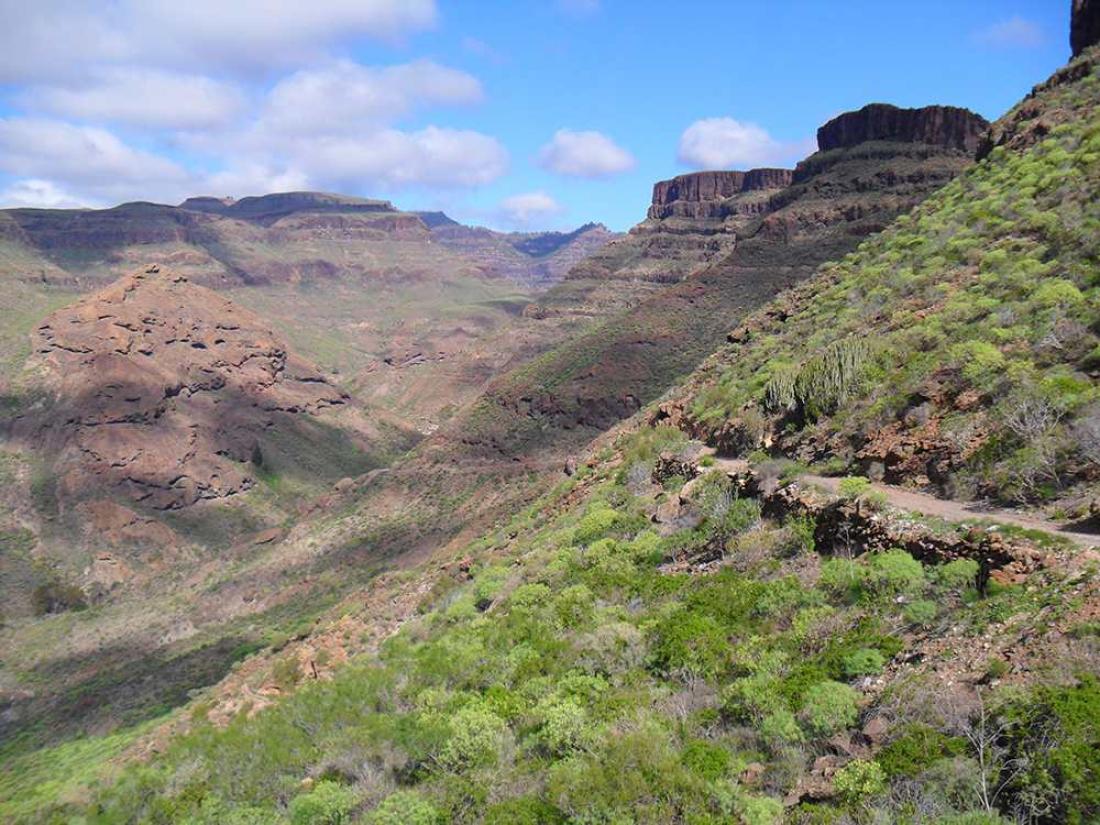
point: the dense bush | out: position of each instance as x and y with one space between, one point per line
328 803
829 707
405 808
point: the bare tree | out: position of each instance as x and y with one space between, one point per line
986 733
1086 432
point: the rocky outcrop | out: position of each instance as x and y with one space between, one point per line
945 126
700 194
1084 25
165 392
266 209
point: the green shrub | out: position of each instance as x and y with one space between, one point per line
706 760
56 596
488 585
958 574
863 662
1055 734
858 780
974 818
842 578
802 530
575 606
600 519
477 735
982 363
564 727
915 747
921 612
525 811
780 727
752 698
852 487
759 810
829 707
823 383
895 571
689 643
328 803
405 808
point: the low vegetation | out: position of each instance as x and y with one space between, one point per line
980 308
574 678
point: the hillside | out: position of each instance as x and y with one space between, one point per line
825 549
836 197
670 636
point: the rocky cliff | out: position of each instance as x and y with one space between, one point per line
1084 25
701 194
946 126
165 392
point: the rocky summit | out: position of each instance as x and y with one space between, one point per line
166 392
946 126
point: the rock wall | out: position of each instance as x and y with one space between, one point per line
700 194
1084 25
946 126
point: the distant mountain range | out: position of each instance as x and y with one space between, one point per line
277 238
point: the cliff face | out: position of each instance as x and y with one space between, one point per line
1085 25
946 126
700 195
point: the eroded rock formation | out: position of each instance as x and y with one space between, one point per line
165 389
701 194
946 126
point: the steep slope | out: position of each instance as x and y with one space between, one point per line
980 307
655 642
165 393
692 221
837 196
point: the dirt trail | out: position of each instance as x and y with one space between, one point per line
929 505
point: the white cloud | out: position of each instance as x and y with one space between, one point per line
432 156
102 91
520 210
91 161
725 143
584 155
145 97
55 38
38 193
1014 32
251 178
348 96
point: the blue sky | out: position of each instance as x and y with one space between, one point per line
534 114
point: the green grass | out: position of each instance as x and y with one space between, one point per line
32 783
